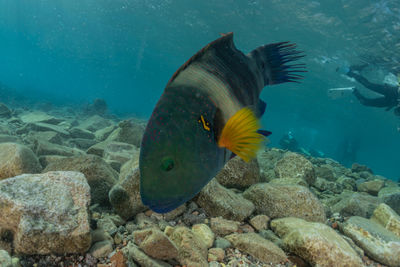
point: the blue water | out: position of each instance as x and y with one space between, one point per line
71 52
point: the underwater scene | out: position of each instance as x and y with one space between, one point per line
179 133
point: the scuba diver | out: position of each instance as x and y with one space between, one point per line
390 93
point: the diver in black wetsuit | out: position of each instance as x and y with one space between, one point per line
391 94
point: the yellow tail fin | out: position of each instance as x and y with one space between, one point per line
240 135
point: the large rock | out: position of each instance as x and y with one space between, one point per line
39 116
191 250
100 176
293 165
128 132
46 212
371 187
260 248
77 132
355 204
239 174
378 243
17 159
5 112
48 136
155 244
43 148
325 185
317 243
5 138
391 197
43 127
134 254
216 200
279 201
388 218
120 152
125 195
326 172
267 160
95 123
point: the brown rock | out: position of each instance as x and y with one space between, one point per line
17 159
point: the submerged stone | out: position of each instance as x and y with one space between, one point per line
378 243
47 213
317 243
17 159
217 200
278 201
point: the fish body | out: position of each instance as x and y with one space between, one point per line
213 95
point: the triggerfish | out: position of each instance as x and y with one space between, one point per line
209 112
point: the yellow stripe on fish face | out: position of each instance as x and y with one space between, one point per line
206 124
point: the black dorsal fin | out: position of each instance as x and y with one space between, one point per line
225 39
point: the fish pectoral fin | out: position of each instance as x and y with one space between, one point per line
240 135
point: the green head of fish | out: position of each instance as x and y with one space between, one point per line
179 153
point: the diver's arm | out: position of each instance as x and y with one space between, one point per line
377 88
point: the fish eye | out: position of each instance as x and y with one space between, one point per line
167 164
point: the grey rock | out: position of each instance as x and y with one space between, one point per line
260 248
42 148
47 213
360 168
293 165
5 112
128 132
95 123
391 197
120 152
378 243
107 225
221 242
347 182
155 244
216 200
355 204
46 136
317 243
279 201
43 127
221 226
134 254
325 185
101 249
82 143
5 138
17 159
271 236
326 172
371 187
190 253
100 176
103 133
48 159
239 174
125 195
77 132
39 116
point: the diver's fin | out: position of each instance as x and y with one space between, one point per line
272 61
240 135
264 132
261 107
